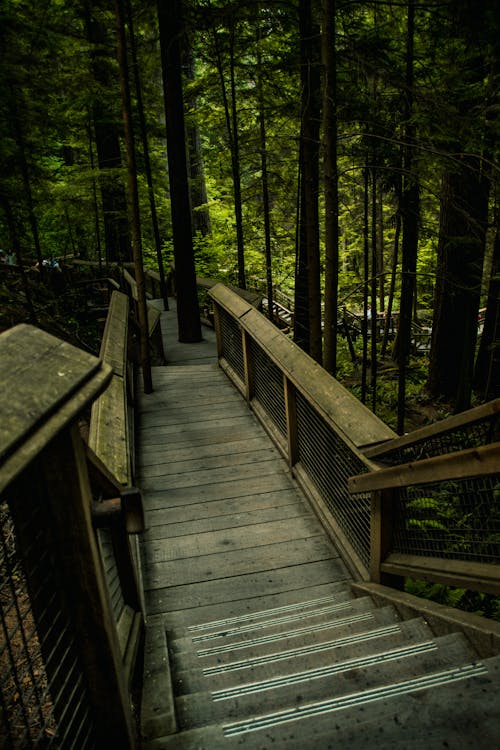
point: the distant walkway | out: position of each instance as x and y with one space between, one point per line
227 530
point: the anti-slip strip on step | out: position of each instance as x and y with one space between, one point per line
355 699
325 671
292 653
283 636
262 613
270 623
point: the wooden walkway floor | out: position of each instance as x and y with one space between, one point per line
227 529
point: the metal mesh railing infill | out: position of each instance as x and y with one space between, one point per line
232 350
329 462
43 696
470 435
457 519
268 386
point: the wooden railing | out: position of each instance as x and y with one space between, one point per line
70 604
433 514
316 423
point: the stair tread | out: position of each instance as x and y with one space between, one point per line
335 680
276 622
201 677
269 643
181 621
460 714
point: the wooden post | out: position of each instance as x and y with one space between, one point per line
381 530
70 499
247 363
217 328
291 422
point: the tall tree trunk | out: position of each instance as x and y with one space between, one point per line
374 288
95 202
463 220
133 196
310 106
18 137
410 216
147 161
366 278
231 115
188 311
265 183
107 139
330 128
199 197
301 329
487 370
392 287
16 247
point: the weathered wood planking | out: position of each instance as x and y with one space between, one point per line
38 373
173 597
234 488
210 476
235 518
211 450
236 562
198 512
46 384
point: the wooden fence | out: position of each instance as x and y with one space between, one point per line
70 603
425 505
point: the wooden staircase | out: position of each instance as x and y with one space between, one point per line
333 671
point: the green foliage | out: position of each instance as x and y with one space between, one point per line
478 603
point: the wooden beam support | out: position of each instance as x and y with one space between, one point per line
482 461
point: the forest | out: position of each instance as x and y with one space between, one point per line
341 155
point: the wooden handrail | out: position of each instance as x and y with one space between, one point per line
473 462
455 422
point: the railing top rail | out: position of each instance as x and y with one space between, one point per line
473 462
46 382
359 425
455 422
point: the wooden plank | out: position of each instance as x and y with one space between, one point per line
170 530
238 562
233 539
38 374
233 460
208 437
210 450
174 597
455 422
108 434
461 573
482 461
304 590
178 414
114 339
183 496
244 421
255 503
210 476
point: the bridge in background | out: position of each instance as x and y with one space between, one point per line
251 593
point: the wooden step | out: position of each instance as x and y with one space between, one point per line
239 671
455 708
362 677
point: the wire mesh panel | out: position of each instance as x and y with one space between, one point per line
111 572
232 349
43 696
470 435
457 519
329 462
268 386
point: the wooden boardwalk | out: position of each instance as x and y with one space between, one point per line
227 529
